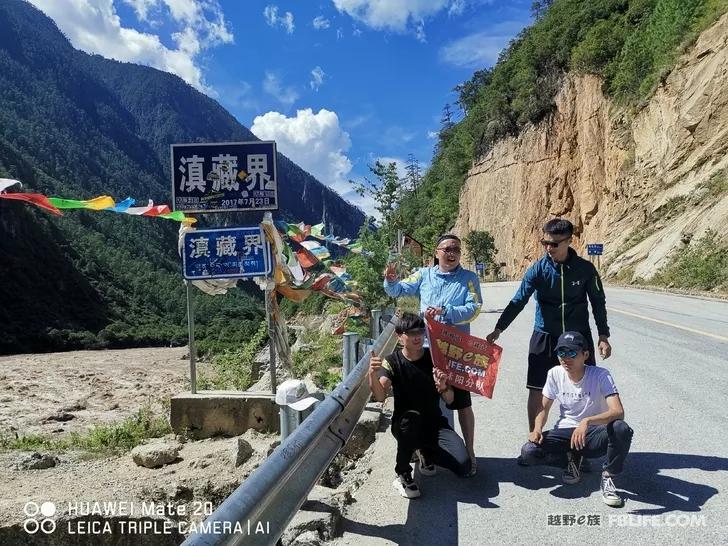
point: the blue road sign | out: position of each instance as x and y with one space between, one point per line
596 249
480 267
225 176
226 253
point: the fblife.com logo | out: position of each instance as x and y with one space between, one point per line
39 517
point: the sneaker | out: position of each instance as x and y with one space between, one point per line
609 492
406 486
426 469
572 473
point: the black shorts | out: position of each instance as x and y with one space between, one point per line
461 399
542 357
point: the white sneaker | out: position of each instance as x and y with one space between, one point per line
425 468
406 486
609 492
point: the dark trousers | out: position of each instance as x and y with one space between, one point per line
613 439
439 444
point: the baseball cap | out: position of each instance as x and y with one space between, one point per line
294 394
571 340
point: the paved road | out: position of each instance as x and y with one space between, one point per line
673 379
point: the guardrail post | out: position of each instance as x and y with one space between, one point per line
365 345
350 359
290 419
375 323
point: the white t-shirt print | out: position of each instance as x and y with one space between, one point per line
579 400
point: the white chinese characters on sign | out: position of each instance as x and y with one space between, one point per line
199 247
225 246
192 177
253 244
225 170
257 172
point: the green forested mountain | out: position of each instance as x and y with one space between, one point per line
77 126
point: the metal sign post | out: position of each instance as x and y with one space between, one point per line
191 329
224 253
270 320
595 249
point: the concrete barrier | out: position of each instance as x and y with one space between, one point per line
226 413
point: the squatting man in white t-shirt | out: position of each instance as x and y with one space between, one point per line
590 423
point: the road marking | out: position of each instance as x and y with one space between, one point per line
709 334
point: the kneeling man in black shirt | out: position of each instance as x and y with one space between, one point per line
417 423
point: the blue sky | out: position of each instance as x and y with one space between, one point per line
337 83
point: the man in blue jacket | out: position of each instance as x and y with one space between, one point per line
450 294
562 282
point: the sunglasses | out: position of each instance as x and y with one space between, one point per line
567 353
451 249
553 244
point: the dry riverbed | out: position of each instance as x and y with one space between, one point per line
56 394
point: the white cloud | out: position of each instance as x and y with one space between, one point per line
457 7
339 34
95 27
397 15
433 134
355 122
367 203
480 49
420 32
287 22
317 75
320 22
400 162
316 142
273 86
273 19
142 8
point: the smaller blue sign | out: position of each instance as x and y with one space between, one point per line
226 253
480 267
596 249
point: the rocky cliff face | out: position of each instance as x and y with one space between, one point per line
643 184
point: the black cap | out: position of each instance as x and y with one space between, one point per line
571 340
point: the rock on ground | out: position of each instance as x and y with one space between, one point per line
242 451
36 461
155 454
364 434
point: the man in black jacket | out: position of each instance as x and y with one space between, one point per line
562 282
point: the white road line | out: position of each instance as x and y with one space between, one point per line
709 334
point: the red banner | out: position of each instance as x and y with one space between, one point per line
471 363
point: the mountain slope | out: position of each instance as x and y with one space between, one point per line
77 126
649 186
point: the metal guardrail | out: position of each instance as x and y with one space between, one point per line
270 497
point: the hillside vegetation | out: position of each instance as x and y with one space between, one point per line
77 126
631 44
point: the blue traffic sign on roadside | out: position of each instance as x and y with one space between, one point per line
480 267
596 249
226 253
